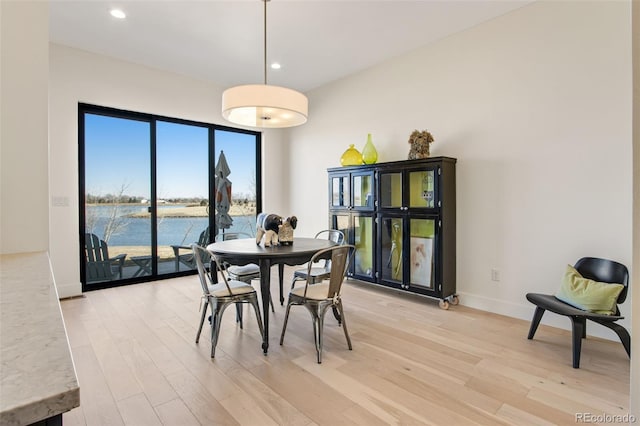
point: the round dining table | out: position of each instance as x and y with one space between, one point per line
245 250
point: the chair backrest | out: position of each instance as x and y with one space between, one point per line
200 253
340 257
203 239
98 265
96 249
332 235
606 271
225 236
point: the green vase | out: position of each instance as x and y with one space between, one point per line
369 153
351 157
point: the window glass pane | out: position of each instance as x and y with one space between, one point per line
182 187
117 191
240 154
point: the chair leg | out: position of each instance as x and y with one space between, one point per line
344 323
622 333
336 314
273 310
256 308
293 282
286 320
577 332
537 316
204 313
216 321
318 324
239 314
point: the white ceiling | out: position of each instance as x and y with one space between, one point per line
222 41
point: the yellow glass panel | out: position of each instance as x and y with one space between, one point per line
421 189
363 259
421 246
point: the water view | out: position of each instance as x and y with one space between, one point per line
188 168
177 224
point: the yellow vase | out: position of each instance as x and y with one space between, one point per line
351 157
369 153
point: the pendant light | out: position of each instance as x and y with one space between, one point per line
263 105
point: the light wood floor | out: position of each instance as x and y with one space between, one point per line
412 363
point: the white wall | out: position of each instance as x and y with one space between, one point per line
77 76
536 107
635 335
24 191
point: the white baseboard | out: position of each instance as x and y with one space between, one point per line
68 290
524 311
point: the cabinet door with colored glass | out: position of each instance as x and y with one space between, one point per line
352 190
362 187
407 248
359 230
339 190
422 247
422 189
406 189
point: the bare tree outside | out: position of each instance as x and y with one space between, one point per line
116 223
90 220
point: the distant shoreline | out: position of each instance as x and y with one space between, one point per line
193 211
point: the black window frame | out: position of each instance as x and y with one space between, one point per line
152 119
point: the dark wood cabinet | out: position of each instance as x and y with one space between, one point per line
352 210
401 216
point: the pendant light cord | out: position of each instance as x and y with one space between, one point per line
265 41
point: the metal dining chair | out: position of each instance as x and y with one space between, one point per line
219 296
322 269
245 273
319 297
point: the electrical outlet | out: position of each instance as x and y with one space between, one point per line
495 274
58 201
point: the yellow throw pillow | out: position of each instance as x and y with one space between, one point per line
588 295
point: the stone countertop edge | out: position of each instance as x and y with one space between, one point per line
37 376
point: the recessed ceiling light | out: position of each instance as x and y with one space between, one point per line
275 66
117 13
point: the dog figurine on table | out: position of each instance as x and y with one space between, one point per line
275 229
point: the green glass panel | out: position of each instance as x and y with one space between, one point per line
421 246
363 239
421 189
391 190
391 249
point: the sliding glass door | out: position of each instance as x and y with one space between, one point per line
182 193
149 189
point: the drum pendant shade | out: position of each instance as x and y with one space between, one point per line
262 105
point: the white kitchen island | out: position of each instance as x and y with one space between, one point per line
38 381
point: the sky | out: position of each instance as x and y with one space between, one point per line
117 153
